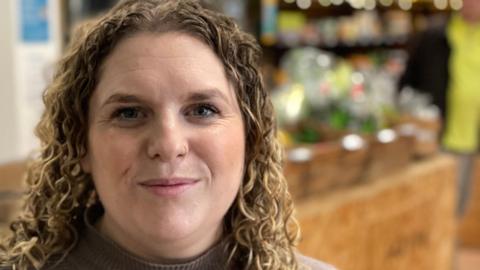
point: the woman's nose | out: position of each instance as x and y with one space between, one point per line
167 140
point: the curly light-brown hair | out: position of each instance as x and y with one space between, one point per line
260 229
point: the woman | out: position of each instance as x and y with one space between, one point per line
159 152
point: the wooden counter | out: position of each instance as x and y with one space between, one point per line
11 186
11 176
402 221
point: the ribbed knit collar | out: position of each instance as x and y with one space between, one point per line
96 251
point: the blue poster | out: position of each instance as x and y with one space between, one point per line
34 25
269 22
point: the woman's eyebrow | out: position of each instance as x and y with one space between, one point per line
207 94
122 98
193 96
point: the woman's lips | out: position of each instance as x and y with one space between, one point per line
169 186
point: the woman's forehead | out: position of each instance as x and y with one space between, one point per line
151 50
170 44
149 61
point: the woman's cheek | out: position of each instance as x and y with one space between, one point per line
118 152
226 151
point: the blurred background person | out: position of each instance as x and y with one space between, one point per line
445 62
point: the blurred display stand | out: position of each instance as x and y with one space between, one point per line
347 26
403 220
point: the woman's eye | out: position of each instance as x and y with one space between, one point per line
204 110
128 114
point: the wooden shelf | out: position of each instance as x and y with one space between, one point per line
345 8
342 48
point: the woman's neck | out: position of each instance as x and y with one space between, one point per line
162 252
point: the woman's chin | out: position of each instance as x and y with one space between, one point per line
181 229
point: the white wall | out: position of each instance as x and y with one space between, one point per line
25 70
8 111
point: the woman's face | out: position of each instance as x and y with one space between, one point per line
166 145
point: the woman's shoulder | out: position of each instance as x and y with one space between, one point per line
56 267
313 264
49 266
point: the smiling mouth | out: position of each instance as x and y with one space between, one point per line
169 187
